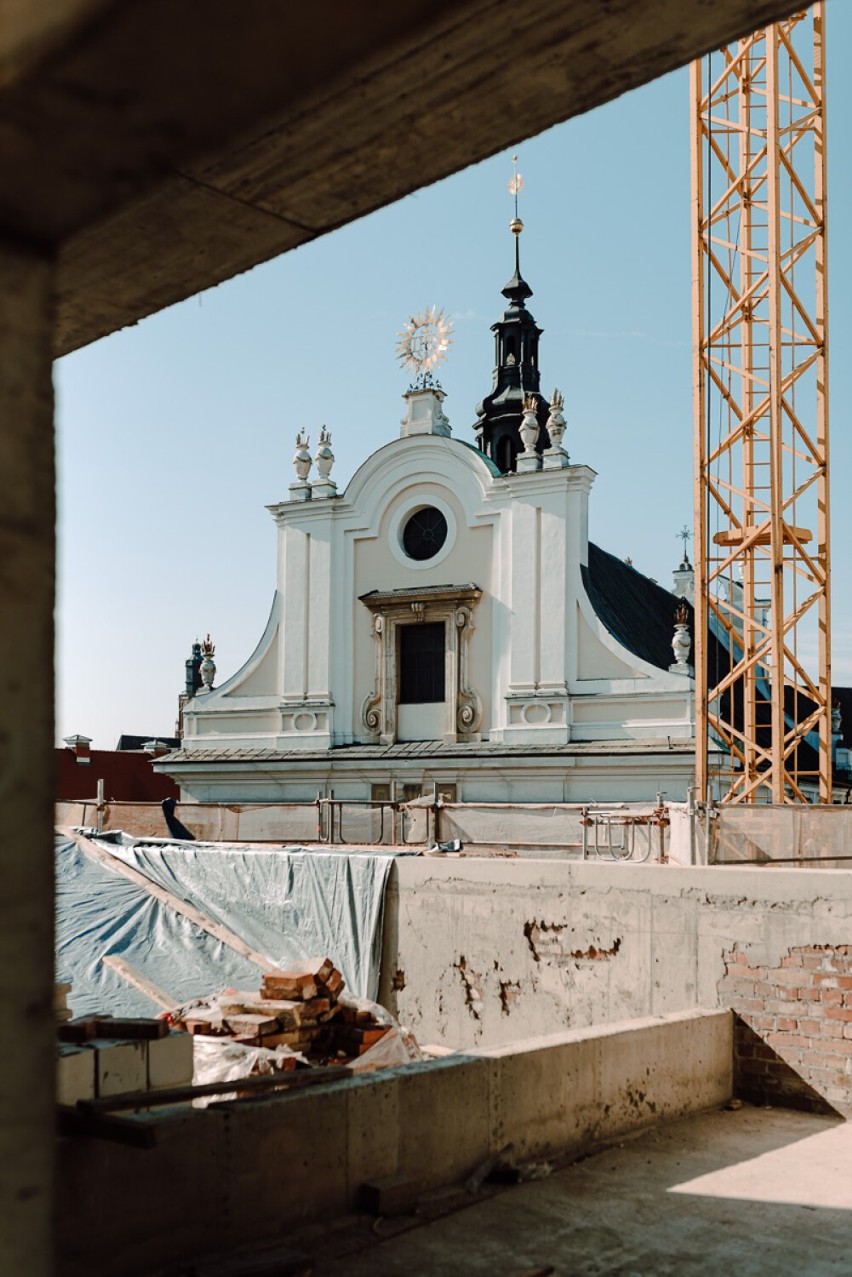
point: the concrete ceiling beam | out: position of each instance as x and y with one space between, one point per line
166 145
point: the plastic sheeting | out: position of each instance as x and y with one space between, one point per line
531 829
686 837
792 834
275 823
283 902
333 822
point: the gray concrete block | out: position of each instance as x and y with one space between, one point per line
444 1119
75 1073
170 1060
119 1066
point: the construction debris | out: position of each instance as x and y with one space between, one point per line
103 1055
229 1037
390 1195
125 1028
299 1008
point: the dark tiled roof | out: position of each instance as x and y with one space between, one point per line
640 615
139 742
636 611
495 470
844 696
472 751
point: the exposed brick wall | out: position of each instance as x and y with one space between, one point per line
793 1037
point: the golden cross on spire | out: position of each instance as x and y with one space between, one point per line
516 183
685 536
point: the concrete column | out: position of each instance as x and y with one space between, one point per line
27 509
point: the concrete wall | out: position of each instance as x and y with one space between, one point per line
490 951
26 758
252 1170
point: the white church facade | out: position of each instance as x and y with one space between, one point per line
445 624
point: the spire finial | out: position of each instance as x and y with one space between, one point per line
516 184
685 536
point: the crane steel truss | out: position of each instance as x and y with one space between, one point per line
762 610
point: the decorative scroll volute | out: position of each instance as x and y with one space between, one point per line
469 708
371 709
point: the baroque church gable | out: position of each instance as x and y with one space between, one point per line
450 597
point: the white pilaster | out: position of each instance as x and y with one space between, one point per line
294 584
304 580
320 618
549 540
524 602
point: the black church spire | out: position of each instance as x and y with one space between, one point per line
516 374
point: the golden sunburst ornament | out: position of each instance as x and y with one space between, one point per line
424 341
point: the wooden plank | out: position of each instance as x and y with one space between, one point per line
152 991
257 1082
122 1130
215 929
738 536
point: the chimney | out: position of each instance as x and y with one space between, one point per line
156 748
79 745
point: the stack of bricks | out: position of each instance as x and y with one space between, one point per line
102 1055
792 1040
354 1033
297 1007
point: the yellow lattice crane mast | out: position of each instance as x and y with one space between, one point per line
762 613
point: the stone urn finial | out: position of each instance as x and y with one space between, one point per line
324 457
556 420
555 457
529 424
207 669
681 642
302 456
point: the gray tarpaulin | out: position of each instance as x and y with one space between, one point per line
285 903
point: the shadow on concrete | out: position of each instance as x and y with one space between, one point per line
763 1077
749 1191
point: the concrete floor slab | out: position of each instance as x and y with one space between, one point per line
753 1191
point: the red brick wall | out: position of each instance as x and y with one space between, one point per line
127 775
793 1035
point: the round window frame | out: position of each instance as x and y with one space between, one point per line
430 537
400 519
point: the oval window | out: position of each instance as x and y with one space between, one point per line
424 533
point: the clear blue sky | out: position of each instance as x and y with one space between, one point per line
174 435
